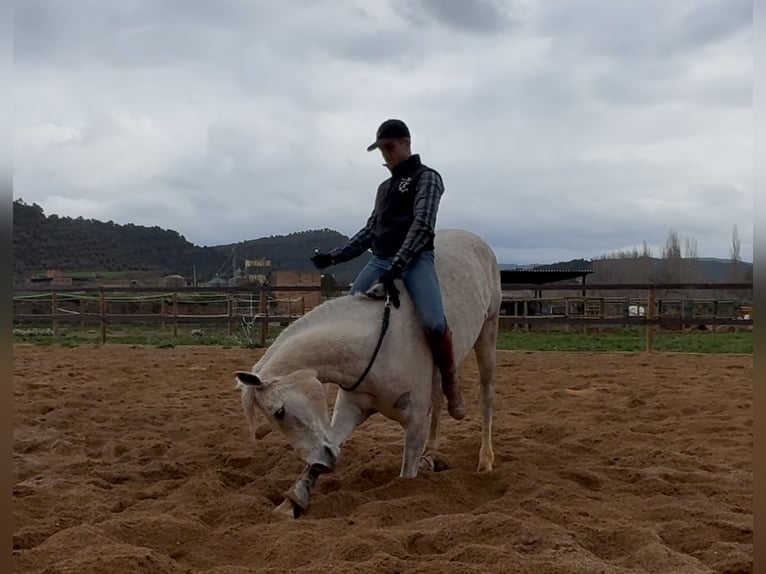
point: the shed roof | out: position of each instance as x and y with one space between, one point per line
541 276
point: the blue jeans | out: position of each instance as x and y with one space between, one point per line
421 282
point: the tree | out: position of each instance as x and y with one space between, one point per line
672 249
690 248
671 254
734 253
735 245
645 250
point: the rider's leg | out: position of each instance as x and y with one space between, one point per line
423 286
369 274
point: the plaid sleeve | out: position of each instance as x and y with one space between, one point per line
357 245
427 196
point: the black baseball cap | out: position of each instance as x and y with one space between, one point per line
390 130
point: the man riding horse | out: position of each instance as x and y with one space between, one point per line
400 233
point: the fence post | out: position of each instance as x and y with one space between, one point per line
175 315
54 306
263 311
229 310
650 326
102 306
584 314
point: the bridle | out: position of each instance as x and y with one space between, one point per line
383 329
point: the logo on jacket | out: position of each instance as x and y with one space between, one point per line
404 184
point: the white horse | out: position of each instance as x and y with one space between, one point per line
334 343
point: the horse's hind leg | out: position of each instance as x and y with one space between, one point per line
427 461
486 357
415 436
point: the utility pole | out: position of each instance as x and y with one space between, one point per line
233 263
194 275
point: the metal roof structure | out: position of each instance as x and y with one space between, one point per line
541 276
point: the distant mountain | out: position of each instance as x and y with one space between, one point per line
656 270
505 266
43 242
579 264
293 251
720 260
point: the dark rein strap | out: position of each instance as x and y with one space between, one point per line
383 329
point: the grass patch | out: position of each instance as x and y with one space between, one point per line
694 342
136 334
617 340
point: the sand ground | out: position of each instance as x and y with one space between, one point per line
137 460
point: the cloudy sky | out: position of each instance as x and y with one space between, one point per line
562 129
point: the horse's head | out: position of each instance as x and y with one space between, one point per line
296 405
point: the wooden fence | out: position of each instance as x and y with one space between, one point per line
259 313
594 307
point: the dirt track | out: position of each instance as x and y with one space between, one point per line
132 459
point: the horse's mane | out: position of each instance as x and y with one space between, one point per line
353 307
347 304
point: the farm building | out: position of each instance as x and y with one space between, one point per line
295 301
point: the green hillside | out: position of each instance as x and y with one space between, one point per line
42 242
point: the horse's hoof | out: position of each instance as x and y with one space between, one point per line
486 458
288 509
299 495
436 461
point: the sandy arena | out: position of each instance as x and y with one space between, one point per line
137 460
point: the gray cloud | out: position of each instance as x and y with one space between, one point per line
562 129
652 29
472 16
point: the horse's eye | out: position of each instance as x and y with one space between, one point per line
280 414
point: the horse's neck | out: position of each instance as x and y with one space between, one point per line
337 357
337 339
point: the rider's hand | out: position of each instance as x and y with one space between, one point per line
393 272
387 280
322 260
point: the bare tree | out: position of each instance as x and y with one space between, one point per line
734 253
645 250
671 254
690 248
735 245
645 263
672 249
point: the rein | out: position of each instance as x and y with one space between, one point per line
383 329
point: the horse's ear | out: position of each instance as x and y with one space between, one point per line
248 378
249 384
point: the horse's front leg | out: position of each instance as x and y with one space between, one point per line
297 498
347 415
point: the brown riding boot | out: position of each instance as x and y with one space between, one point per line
444 358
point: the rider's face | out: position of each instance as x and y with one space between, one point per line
395 151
